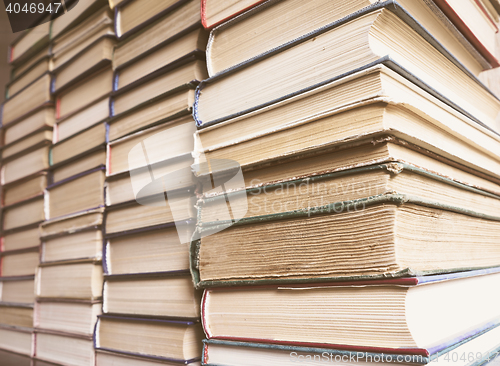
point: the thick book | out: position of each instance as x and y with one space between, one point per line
24 189
23 214
80 193
18 290
16 240
318 119
72 223
39 118
19 341
293 67
215 12
168 295
419 315
166 340
88 160
64 348
26 77
29 43
38 138
19 263
16 315
477 350
67 316
25 166
181 20
473 20
275 23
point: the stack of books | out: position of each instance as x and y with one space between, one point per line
360 219
150 308
27 121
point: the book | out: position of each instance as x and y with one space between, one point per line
71 223
17 240
24 189
84 93
160 295
66 349
130 16
94 57
18 290
38 119
26 77
78 144
71 43
193 43
96 158
181 19
27 100
75 281
75 317
161 250
41 137
79 193
16 315
308 111
80 245
215 12
483 346
418 315
16 340
274 23
472 19
29 43
23 214
19 263
90 115
276 75
165 340
25 165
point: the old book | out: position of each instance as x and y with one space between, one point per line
32 73
280 128
275 23
280 74
22 67
29 43
165 81
161 295
160 250
215 12
79 245
24 189
97 111
31 97
85 8
83 35
132 215
191 43
19 290
76 194
184 17
76 281
163 142
72 223
23 239
166 340
132 15
130 184
23 214
421 315
472 19
78 144
425 235
42 117
16 315
152 112
41 137
104 358
89 160
483 346
16 340
76 317
19 263
94 57
66 349
84 93
26 165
